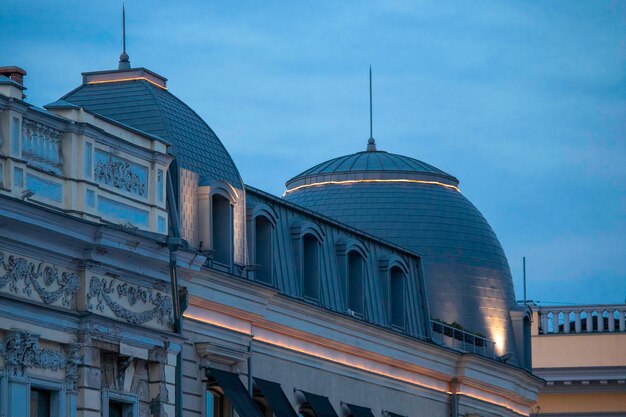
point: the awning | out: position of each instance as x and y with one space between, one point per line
276 398
236 393
358 411
320 405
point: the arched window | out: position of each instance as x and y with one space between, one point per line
222 229
355 282
311 266
396 297
263 249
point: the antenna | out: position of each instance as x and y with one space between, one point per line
123 28
124 60
371 143
524 274
371 130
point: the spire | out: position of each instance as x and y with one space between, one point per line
124 60
371 142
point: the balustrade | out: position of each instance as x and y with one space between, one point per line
41 147
582 319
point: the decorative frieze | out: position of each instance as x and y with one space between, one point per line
121 174
117 297
21 276
20 350
41 146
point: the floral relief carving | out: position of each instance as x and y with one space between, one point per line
102 292
120 174
20 271
20 350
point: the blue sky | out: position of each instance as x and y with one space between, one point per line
525 102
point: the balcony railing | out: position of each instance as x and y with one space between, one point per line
462 340
582 319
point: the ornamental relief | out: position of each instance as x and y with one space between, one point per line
121 174
38 281
131 303
20 351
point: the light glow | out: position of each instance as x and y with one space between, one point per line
400 180
119 80
310 348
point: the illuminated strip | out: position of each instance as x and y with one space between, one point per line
353 364
317 184
127 79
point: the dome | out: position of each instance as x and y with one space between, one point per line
139 98
420 207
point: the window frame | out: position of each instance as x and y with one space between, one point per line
231 232
311 237
348 277
121 397
403 288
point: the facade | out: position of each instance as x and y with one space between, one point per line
581 353
139 276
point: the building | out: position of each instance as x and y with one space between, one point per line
120 209
581 353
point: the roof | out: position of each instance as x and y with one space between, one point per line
152 109
371 164
373 161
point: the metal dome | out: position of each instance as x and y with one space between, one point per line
418 206
140 100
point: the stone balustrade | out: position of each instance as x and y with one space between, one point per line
581 319
41 146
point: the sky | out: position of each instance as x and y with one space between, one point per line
524 102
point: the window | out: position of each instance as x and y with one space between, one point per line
222 229
263 249
396 302
118 404
310 266
214 404
355 282
39 402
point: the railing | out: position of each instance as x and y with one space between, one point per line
465 341
41 147
582 319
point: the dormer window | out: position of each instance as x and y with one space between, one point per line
397 297
222 229
310 267
355 286
263 249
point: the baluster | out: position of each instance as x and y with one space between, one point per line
612 321
577 322
544 321
622 320
600 321
566 321
589 321
555 322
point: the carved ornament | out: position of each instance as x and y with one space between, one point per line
20 350
20 272
120 174
115 294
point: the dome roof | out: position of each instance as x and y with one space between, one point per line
371 165
418 206
374 161
138 98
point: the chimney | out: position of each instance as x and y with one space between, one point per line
14 73
12 82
